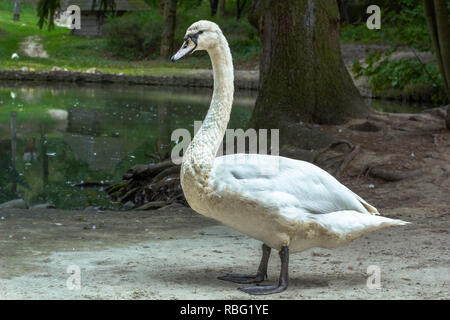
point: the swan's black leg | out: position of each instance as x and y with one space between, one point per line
260 275
283 282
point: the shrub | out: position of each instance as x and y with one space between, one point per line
402 76
134 35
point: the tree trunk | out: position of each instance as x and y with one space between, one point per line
170 17
437 19
17 10
221 8
240 5
343 11
302 75
162 4
214 4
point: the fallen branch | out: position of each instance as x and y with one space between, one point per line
392 176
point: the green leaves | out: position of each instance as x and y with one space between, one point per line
46 11
384 73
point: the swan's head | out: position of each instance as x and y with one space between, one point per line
202 35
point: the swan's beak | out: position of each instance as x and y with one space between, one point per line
187 47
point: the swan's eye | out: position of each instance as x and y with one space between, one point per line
200 32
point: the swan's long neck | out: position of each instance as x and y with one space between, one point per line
202 150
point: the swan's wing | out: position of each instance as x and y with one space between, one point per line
290 185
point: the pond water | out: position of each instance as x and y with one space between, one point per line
71 135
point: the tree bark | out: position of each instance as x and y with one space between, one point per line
221 8
214 4
170 17
17 10
343 13
240 5
302 75
437 19
162 4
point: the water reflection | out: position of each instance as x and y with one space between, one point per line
53 139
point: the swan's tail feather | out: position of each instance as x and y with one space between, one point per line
368 206
348 222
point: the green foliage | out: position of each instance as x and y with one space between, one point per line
242 37
46 11
134 35
402 75
402 23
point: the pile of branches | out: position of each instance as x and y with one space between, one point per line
149 186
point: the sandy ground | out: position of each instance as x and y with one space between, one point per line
174 253
177 254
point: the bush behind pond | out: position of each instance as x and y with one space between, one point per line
134 35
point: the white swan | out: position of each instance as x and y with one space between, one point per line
299 207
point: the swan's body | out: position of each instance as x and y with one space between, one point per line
293 207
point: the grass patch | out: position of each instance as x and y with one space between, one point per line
79 54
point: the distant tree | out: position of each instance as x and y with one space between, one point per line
213 4
162 3
240 5
303 78
170 18
221 8
436 13
17 10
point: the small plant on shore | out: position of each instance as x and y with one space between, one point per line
414 79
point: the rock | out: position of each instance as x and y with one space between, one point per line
152 205
14 204
56 69
93 71
128 205
43 206
365 126
440 112
24 69
32 47
92 208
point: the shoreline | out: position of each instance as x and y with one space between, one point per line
244 80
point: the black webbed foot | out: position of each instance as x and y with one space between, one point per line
244 278
260 290
283 280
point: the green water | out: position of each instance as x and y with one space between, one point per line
72 134
91 133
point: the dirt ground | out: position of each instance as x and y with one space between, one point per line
177 254
174 253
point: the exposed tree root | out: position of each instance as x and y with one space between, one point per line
348 158
149 186
394 175
332 161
